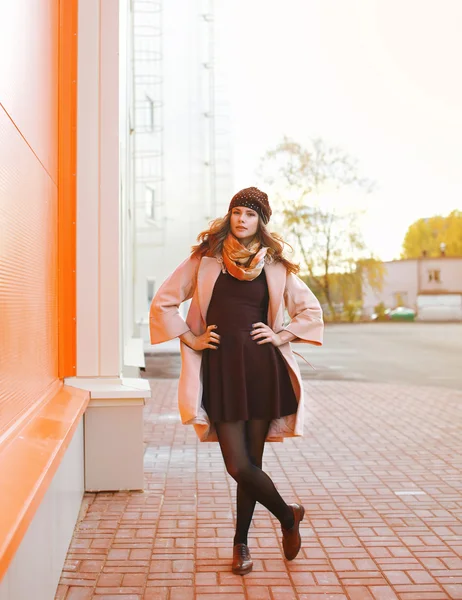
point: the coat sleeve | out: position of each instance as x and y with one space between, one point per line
165 321
304 310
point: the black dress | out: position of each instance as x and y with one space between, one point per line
243 380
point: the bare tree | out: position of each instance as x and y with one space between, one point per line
327 236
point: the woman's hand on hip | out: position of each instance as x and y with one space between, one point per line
209 339
263 334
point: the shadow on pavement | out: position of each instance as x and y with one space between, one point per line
167 366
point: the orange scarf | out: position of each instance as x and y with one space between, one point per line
235 256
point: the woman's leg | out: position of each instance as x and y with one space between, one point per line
256 432
255 483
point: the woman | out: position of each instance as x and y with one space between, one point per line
240 384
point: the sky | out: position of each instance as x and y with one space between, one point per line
379 78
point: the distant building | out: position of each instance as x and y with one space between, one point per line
431 286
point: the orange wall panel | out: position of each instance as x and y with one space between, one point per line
29 73
28 283
67 178
28 204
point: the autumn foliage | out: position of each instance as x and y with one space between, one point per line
428 237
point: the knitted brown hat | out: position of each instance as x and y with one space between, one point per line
253 198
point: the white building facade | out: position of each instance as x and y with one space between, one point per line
432 286
182 164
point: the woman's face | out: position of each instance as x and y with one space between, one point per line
244 224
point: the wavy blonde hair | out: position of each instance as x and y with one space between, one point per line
211 242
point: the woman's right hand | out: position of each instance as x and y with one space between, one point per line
209 339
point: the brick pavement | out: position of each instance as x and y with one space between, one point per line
379 472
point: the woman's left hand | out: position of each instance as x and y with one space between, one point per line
263 334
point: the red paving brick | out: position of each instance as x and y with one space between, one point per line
365 536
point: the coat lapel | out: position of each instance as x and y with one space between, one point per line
209 271
276 279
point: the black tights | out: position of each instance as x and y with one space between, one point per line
242 444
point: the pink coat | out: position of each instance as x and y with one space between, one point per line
195 278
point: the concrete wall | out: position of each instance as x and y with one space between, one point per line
439 307
36 567
448 272
410 278
400 277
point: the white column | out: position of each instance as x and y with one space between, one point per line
88 190
98 261
115 411
109 256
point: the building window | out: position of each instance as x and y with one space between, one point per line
150 203
151 288
434 275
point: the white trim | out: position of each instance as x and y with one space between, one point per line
125 387
109 191
112 402
98 214
88 180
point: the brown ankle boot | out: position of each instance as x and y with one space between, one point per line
291 540
242 561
